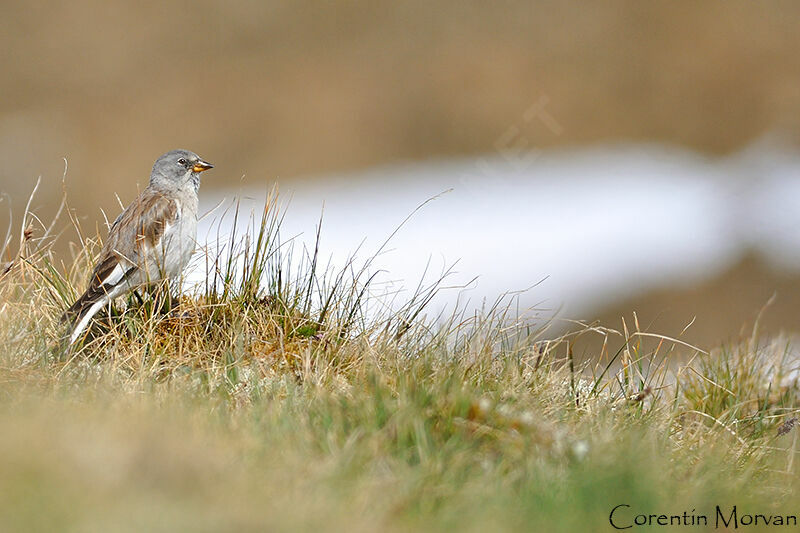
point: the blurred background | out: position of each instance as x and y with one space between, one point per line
620 156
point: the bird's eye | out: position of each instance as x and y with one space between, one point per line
181 161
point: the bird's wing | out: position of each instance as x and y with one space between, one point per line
134 234
136 230
116 221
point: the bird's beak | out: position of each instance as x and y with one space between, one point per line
202 166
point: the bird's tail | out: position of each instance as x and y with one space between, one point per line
81 312
75 309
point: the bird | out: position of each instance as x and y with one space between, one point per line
152 240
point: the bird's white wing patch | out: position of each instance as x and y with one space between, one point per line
120 270
116 275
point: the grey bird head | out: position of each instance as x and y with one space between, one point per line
177 169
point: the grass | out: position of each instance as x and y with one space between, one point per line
282 395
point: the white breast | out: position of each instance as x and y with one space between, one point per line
177 244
